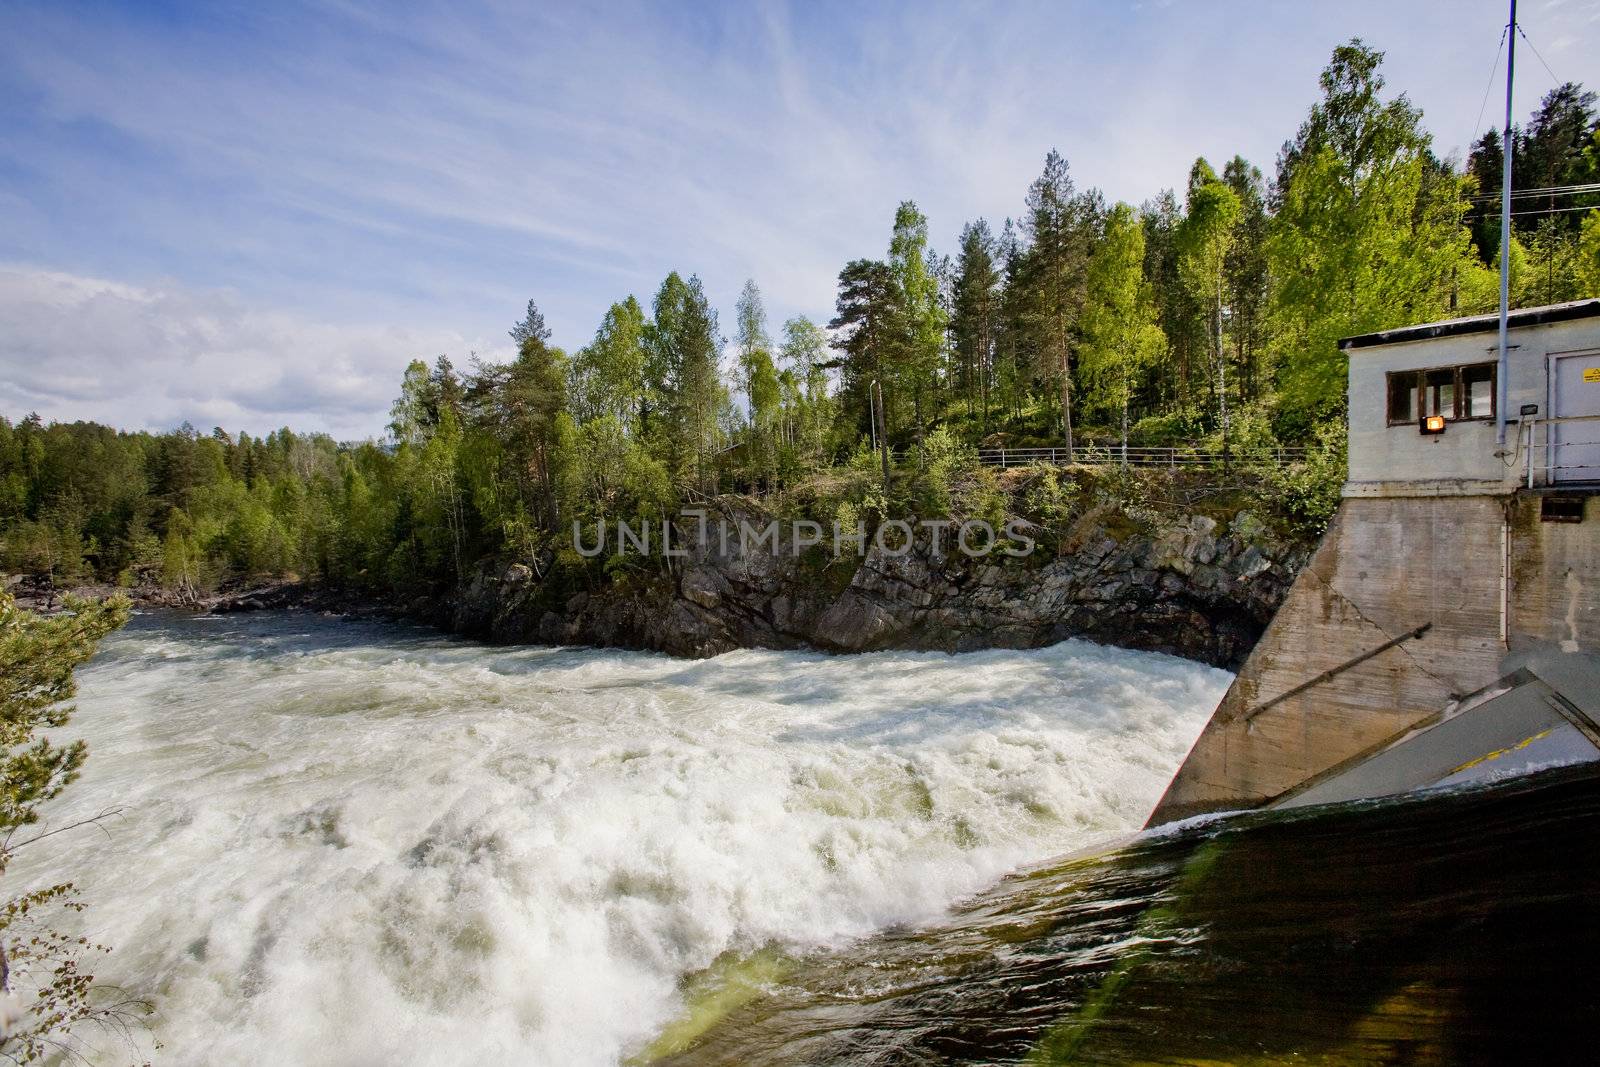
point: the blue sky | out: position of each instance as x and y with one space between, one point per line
256 214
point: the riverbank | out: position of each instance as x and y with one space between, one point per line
1201 583
1194 585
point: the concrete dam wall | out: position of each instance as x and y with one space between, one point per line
1490 578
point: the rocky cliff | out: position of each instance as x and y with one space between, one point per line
1194 586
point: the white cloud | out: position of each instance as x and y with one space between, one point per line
74 347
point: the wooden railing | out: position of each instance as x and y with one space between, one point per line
1102 454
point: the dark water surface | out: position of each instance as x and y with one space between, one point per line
1441 929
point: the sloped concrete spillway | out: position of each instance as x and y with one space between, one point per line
1541 715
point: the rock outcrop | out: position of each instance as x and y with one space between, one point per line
1197 588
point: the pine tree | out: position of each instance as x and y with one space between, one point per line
976 315
1058 226
1549 153
683 346
531 328
40 966
520 403
867 317
1247 277
1013 346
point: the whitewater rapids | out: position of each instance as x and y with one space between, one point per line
350 843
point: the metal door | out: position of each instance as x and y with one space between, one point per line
1575 394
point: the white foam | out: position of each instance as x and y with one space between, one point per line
348 845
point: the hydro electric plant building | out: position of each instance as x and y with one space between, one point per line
1447 629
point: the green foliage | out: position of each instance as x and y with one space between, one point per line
608 376
1368 234
683 368
1051 272
951 483
48 991
921 315
1179 426
1587 266
37 658
767 434
1121 338
1049 499
1308 492
976 318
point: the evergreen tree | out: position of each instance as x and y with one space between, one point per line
867 317
1549 154
1013 347
1058 232
684 346
976 315
1247 277
42 969
530 328
520 403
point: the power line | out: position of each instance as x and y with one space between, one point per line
1490 83
1531 194
1540 58
1525 193
1555 210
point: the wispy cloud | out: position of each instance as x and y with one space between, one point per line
137 357
431 168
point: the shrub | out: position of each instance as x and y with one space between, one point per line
1309 491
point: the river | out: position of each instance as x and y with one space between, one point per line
358 843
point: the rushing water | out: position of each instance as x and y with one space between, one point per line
1438 929
347 843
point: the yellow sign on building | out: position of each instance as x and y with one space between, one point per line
1591 374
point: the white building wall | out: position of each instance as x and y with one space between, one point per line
1400 461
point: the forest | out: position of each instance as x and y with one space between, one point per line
1206 317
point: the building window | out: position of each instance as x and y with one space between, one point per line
1402 397
1465 392
1439 392
1477 391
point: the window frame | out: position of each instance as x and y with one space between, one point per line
1461 390
1418 384
1416 397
